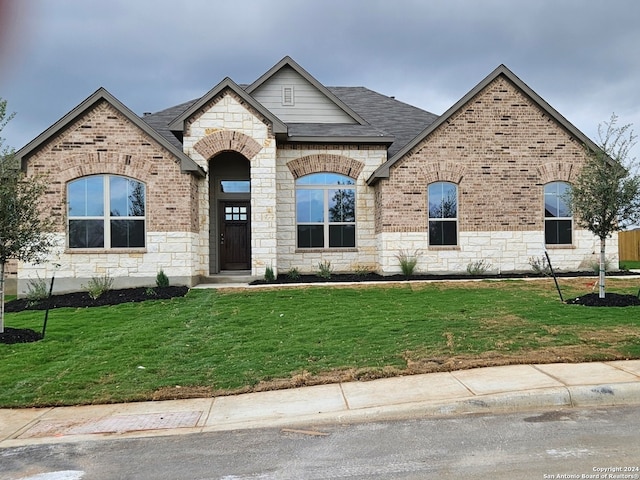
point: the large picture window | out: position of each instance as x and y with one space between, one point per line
106 211
558 221
326 211
443 214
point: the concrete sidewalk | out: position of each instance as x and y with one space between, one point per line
482 390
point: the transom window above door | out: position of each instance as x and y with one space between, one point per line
106 211
326 211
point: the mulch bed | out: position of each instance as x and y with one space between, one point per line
111 297
609 300
83 300
375 277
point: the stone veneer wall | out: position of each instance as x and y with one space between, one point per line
502 251
500 148
298 160
227 123
103 141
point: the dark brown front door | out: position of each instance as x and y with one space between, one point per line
235 250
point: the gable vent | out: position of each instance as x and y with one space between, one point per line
287 95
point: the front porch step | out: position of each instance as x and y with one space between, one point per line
229 277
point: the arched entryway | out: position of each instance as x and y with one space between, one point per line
229 213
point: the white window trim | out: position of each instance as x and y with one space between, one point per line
545 218
326 223
107 217
441 219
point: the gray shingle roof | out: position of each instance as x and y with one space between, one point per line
389 120
399 120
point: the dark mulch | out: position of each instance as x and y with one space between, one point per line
111 297
82 300
375 277
609 300
19 335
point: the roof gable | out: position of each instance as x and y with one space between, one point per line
383 170
177 125
287 68
186 163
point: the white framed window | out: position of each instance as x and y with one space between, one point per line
326 211
558 220
443 213
106 211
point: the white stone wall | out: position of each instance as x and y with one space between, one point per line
346 260
229 114
504 251
173 252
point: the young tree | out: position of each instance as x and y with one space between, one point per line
23 231
605 196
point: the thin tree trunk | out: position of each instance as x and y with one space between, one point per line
602 266
1 297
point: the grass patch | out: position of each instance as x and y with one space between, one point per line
224 341
629 265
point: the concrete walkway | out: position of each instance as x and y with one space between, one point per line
305 410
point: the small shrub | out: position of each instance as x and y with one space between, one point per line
269 276
408 262
324 269
362 270
479 267
293 274
150 292
37 290
161 279
595 266
540 265
99 285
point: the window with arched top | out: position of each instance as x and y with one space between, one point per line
443 213
106 211
325 211
558 220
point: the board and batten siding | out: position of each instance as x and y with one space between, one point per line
309 104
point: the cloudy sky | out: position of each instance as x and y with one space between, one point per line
581 56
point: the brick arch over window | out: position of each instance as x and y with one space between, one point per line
556 171
444 172
227 140
325 163
81 165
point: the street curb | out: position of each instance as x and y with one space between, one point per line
605 395
625 394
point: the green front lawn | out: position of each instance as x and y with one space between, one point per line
629 265
212 342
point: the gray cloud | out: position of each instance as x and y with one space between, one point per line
580 55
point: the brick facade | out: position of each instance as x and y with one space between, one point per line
104 141
500 148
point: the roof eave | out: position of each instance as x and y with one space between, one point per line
288 61
177 125
186 163
337 139
383 170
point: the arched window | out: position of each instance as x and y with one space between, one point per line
443 213
558 221
106 211
326 211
